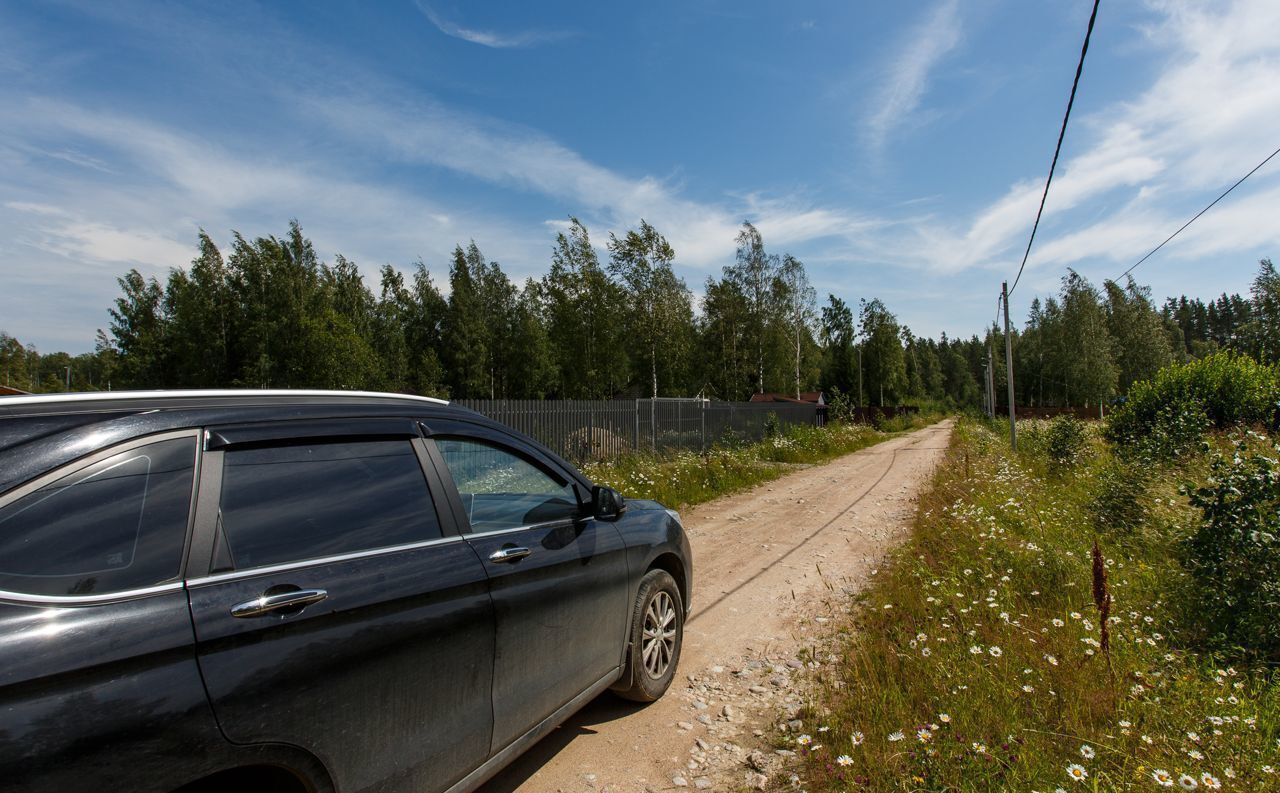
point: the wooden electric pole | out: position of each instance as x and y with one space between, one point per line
1008 363
991 380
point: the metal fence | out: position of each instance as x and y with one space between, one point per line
583 430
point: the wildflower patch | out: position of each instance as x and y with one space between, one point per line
1019 655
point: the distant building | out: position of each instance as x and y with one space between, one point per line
10 391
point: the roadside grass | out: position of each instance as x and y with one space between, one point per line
975 662
688 478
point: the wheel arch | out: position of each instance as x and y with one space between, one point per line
266 769
672 564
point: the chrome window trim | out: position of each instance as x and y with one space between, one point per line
250 572
94 458
526 527
81 463
89 600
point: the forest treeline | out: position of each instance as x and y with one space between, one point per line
1089 345
268 313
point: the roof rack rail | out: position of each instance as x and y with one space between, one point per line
9 401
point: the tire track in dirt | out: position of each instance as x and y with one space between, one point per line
764 585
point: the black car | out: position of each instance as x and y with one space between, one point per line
308 591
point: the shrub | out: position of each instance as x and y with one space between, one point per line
1117 506
1166 416
1234 554
772 427
840 407
1066 440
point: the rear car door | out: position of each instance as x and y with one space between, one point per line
558 578
341 613
99 688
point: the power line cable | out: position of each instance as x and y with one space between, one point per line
1198 214
1058 149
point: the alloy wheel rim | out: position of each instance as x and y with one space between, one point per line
658 643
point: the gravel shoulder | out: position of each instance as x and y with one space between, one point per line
771 565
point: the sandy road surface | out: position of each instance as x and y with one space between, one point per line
766 565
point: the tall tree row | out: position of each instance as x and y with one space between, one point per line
268 313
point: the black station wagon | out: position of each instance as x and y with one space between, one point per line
308 591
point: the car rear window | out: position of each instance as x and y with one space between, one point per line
285 504
115 525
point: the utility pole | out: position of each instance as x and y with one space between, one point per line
860 376
989 405
68 378
991 379
1008 362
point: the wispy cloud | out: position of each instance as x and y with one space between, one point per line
481 147
1147 164
908 74
489 38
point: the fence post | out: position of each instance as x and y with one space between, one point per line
653 425
636 446
702 414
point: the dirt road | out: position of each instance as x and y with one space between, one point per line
769 563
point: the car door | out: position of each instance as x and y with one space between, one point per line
558 578
99 688
341 613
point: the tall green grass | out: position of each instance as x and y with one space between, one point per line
687 478
976 661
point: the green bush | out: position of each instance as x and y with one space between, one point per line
772 427
1066 440
1118 506
1234 554
1168 415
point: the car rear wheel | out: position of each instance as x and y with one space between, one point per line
657 631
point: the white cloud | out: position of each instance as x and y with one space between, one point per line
702 233
908 77
66 235
487 38
1147 164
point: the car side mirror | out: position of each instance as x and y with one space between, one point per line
607 503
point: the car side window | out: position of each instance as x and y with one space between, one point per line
115 525
291 503
501 490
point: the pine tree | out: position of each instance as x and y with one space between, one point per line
465 334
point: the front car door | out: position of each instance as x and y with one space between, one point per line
558 578
341 613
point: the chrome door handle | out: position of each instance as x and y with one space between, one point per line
283 600
509 554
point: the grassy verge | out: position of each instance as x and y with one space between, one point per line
688 478
976 661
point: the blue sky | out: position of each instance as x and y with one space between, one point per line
898 149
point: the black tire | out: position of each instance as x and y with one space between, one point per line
658 606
